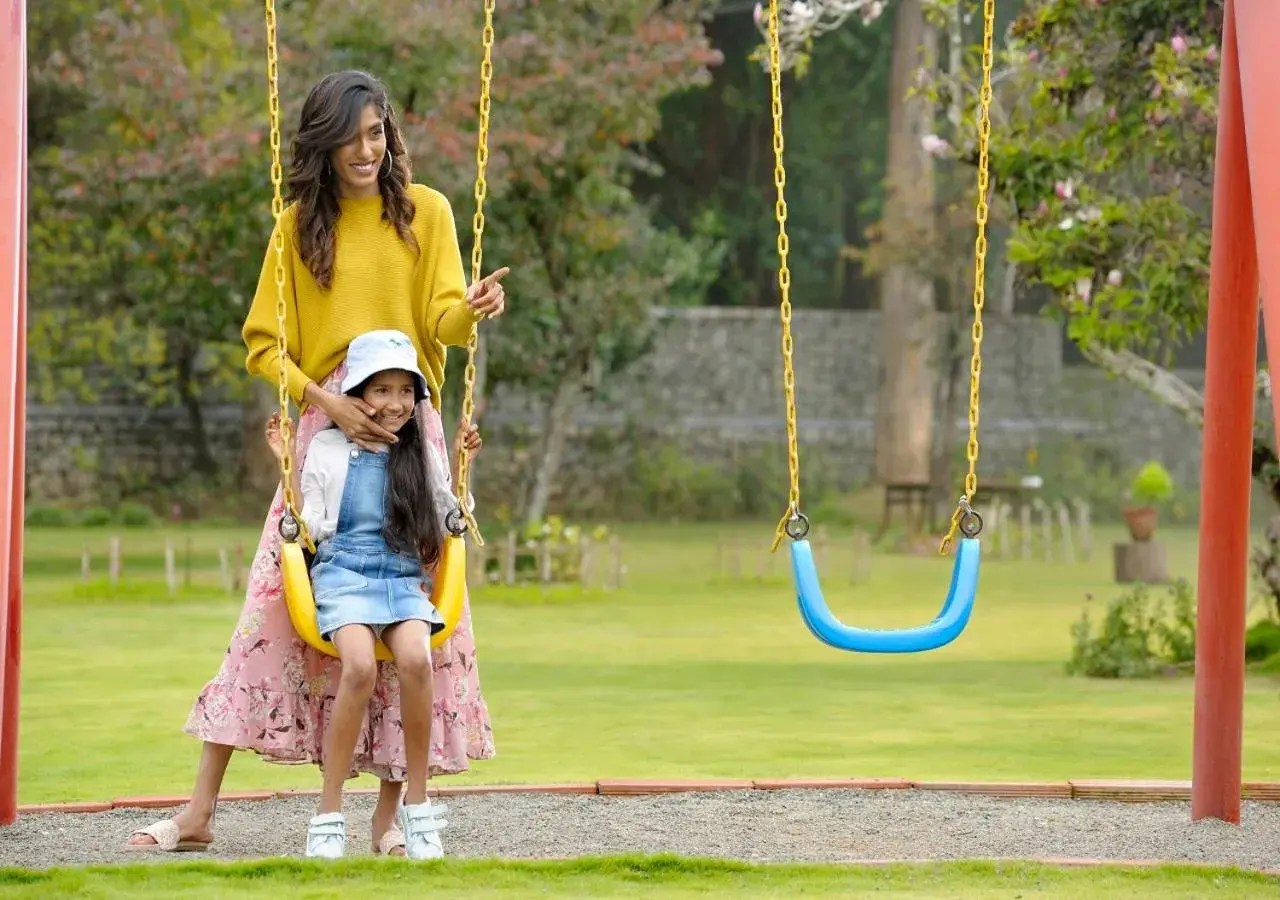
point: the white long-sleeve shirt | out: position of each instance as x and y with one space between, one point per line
324 478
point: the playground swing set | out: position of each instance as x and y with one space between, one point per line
1246 219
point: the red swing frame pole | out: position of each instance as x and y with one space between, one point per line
13 356
1245 257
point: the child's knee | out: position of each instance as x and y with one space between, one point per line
359 673
415 664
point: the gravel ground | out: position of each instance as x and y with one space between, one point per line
800 825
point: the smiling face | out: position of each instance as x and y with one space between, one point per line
358 162
392 396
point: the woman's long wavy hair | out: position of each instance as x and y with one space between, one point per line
330 118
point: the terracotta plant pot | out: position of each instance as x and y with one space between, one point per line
1142 521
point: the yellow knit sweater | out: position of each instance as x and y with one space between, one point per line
378 282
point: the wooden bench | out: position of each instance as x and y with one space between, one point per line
920 501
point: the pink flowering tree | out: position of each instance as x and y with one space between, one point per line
1106 166
1106 163
800 22
1103 127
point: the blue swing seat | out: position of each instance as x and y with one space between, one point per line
944 629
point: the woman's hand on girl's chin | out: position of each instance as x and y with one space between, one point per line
355 418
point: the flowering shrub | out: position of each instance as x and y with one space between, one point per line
1107 162
1102 139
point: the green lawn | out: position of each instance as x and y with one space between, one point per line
630 877
683 674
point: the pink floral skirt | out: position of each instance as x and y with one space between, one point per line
274 694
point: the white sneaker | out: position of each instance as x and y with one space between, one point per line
421 825
327 836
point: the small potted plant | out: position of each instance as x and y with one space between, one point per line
1150 486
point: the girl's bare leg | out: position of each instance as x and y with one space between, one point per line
355 687
408 643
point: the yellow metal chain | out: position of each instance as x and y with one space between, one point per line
979 275
282 344
477 256
784 277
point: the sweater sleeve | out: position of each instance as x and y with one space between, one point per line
449 318
261 327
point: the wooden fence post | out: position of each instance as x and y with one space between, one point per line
170 569
114 564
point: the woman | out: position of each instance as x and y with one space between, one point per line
364 249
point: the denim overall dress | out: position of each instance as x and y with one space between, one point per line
356 577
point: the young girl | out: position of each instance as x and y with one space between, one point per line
377 517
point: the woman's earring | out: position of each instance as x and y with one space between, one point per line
390 162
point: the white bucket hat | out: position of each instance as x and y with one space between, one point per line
378 351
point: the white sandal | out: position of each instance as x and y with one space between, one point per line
422 824
327 836
390 842
168 839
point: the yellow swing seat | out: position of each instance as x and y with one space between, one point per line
448 589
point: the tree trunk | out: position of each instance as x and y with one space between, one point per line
182 356
555 432
1156 381
905 407
954 346
952 368
1008 295
1169 390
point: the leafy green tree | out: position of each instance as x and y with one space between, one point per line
1106 162
1103 156
1103 127
150 181
589 264
148 201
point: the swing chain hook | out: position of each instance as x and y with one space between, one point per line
797 527
970 522
966 520
455 522
289 527
793 524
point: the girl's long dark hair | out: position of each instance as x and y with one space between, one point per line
330 118
412 525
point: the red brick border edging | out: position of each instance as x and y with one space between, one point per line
1083 789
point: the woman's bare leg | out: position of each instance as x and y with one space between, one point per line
385 812
195 822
